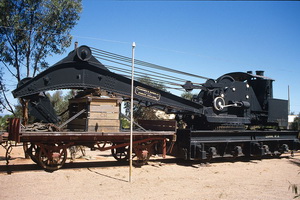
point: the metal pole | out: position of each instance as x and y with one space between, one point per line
131 114
289 101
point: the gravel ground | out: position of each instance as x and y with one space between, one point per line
99 176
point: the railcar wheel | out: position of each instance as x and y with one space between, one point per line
33 151
212 152
120 154
52 158
237 151
276 154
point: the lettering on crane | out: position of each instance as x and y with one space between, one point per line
147 93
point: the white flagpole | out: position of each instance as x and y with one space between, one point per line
131 114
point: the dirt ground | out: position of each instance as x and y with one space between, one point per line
99 176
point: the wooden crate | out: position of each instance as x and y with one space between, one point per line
101 115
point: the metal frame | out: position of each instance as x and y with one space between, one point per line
204 145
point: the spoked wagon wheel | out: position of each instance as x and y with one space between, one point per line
32 151
142 151
52 158
120 154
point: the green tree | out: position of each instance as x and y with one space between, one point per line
3 97
296 123
3 121
187 95
60 102
30 30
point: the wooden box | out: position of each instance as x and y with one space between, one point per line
101 114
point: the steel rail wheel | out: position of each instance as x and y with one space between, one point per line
120 154
32 151
52 157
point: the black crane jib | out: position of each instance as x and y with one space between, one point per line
81 70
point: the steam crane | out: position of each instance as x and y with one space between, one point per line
222 119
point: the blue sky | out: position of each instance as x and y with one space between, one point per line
205 38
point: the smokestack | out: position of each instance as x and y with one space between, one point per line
260 73
76 45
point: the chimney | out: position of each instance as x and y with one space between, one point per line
260 73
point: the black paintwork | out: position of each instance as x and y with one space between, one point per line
249 96
233 101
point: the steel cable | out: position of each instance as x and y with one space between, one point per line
139 75
145 64
154 72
